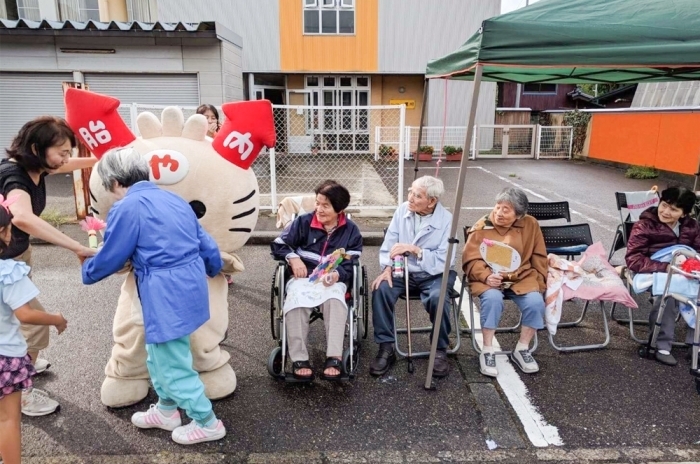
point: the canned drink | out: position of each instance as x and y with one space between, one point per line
398 266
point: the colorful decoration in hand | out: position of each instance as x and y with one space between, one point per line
6 202
691 266
328 265
92 225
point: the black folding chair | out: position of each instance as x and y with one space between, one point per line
550 210
624 228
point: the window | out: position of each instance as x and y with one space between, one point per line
329 16
89 10
540 88
28 9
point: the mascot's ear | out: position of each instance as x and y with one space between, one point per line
173 120
249 127
195 127
149 125
96 121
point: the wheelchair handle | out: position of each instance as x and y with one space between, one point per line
686 253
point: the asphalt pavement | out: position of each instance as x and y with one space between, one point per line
604 406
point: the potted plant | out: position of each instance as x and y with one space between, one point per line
452 153
315 147
387 152
425 153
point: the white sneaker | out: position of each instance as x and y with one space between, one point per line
155 419
36 402
487 364
194 433
41 365
524 360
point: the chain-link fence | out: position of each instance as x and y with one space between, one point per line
319 143
554 142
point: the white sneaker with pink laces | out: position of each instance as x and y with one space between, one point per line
194 433
155 419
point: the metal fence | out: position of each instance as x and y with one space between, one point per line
493 141
319 143
554 142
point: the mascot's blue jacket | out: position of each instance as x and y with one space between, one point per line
171 254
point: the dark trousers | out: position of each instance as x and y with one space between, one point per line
384 299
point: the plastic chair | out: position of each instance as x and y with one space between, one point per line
550 210
567 240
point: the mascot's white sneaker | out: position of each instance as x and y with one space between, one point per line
119 393
155 419
194 433
40 365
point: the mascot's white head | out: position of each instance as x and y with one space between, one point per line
214 177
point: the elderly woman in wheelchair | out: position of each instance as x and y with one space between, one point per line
509 224
303 244
659 228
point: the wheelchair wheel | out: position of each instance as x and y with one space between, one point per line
274 307
365 302
274 363
697 385
349 369
644 352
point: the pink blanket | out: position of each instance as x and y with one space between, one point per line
591 278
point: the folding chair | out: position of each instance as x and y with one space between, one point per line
550 210
569 241
472 330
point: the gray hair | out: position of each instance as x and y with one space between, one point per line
124 165
516 198
433 186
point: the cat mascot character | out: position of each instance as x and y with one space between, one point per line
215 178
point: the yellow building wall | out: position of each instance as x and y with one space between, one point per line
329 53
413 86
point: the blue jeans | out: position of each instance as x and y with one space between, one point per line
384 299
176 383
531 304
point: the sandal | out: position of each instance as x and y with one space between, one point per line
332 363
299 365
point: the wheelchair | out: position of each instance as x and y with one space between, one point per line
355 327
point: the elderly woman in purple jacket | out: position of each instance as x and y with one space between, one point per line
172 255
658 228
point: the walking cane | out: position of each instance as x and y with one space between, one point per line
409 358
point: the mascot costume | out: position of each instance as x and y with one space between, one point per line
214 176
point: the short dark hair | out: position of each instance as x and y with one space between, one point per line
336 194
679 197
41 133
201 109
5 220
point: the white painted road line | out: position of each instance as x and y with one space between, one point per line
542 197
540 433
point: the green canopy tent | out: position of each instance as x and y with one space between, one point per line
570 41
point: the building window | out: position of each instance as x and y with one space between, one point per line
79 10
547 89
28 9
329 16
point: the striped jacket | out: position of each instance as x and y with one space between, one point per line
306 238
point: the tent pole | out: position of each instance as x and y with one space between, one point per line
452 241
420 127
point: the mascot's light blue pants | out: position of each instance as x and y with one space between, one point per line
176 383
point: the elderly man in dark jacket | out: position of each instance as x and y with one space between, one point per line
658 228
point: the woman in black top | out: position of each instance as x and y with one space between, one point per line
43 146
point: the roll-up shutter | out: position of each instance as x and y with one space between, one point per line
146 89
24 96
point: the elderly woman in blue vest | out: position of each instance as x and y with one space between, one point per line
172 255
420 227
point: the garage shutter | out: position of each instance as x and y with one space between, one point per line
24 96
146 89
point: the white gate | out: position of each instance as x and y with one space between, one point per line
315 143
554 142
505 141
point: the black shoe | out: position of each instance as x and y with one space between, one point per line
441 367
384 360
